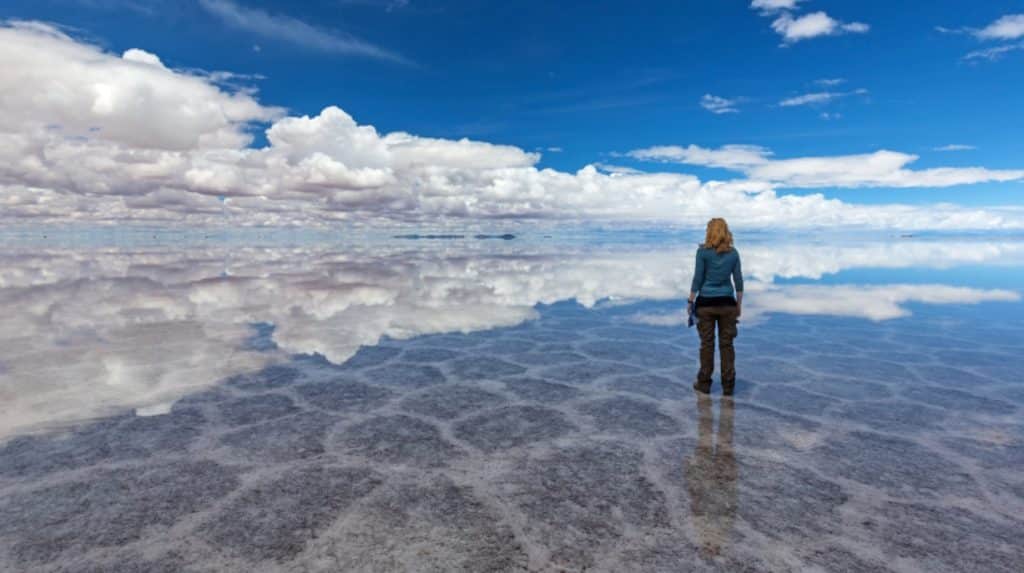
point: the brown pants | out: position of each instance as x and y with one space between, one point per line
725 317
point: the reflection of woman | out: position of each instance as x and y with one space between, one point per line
711 479
717 268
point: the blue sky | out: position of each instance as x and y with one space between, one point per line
586 82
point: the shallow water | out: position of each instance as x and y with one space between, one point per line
518 405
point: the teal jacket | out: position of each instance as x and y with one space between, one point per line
713 270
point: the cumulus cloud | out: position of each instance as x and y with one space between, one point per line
718 105
879 169
92 137
882 168
795 29
58 87
294 31
1009 27
768 262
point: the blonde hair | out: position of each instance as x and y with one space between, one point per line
718 236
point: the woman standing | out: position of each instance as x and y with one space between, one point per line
716 271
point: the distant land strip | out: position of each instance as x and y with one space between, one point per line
506 236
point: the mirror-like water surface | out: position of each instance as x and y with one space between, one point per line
466 405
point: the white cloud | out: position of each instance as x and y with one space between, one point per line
955 147
617 169
768 262
816 98
794 29
91 137
811 98
143 57
879 169
1009 27
62 88
830 82
993 53
882 168
797 28
294 31
719 105
770 6
728 156
387 5
855 27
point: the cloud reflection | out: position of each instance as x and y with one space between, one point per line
872 302
90 330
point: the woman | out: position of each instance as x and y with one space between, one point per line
718 303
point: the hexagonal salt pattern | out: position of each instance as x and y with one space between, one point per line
569 443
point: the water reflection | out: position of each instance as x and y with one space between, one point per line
88 330
711 475
874 302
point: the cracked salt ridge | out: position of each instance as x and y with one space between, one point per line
503 451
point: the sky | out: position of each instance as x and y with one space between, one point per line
773 113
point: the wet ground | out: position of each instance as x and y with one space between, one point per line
567 440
